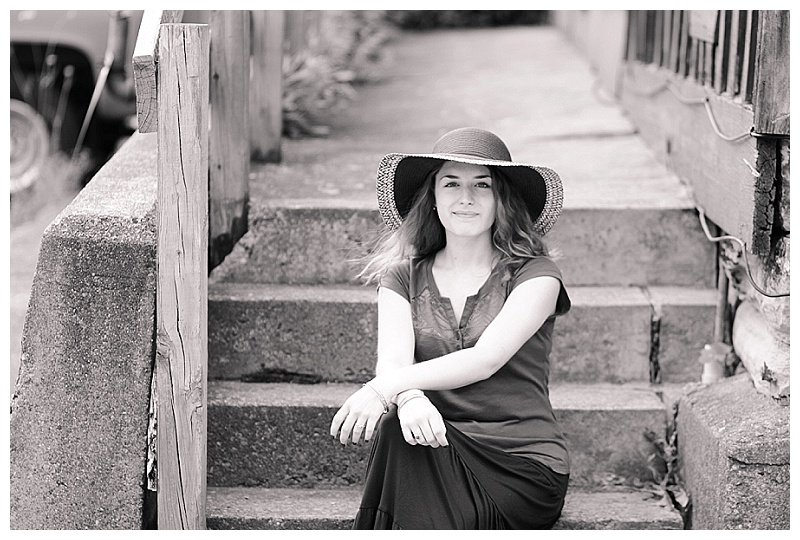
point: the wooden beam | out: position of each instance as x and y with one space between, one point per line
748 56
721 52
683 50
182 282
229 144
771 92
144 66
735 56
674 50
266 88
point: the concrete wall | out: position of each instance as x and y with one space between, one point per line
80 410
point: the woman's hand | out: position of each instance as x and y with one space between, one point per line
421 421
359 415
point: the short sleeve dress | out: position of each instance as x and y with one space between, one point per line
507 463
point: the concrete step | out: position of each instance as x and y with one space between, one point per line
276 434
280 333
315 241
242 508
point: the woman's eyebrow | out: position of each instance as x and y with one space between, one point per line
480 177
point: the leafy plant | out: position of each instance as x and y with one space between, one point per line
340 50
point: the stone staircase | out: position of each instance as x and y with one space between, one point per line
291 336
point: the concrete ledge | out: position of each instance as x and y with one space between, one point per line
276 435
733 444
79 413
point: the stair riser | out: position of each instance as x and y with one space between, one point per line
290 446
336 340
596 247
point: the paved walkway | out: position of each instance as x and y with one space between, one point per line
527 84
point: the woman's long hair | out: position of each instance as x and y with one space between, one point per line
421 233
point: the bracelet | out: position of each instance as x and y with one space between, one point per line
409 398
380 396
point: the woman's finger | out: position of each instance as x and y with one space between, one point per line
408 435
370 428
439 430
427 435
338 420
347 428
359 428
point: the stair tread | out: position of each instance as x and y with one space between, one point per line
563 396
582 509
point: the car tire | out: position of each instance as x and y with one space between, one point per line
29 145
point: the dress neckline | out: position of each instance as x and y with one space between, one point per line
469 304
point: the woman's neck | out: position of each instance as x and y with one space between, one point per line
467 254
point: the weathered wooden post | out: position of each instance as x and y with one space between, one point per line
229 144
182 284
144 67
266 85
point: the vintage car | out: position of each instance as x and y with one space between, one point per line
71 85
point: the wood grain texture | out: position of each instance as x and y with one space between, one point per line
182 286
229 143
144 66
771 89
266 90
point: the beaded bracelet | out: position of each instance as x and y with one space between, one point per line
380 396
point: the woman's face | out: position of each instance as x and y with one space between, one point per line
465 200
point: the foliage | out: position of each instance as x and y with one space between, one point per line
663 464
337 51
430 19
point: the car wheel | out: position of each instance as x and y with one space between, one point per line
29 145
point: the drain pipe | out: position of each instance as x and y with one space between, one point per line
715 355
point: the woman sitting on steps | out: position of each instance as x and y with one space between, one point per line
465 435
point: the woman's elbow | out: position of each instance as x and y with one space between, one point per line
490 363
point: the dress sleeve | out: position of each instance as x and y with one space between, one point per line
397 279
542 266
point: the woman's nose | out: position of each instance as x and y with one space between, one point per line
467 197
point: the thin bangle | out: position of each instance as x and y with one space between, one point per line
380 396
409 398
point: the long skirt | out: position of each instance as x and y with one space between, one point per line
465 485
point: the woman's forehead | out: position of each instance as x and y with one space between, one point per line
462 169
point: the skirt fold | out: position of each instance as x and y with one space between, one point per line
465 485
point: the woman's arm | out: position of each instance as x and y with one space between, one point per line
524 312
395 332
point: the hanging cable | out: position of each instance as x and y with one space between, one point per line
669 85
744 255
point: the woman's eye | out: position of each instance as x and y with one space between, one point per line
451 184
483 185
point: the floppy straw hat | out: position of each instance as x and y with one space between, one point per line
400 176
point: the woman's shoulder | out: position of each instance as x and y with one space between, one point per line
400 275
534 267
542 266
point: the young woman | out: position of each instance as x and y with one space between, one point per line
467 300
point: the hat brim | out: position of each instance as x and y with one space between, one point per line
400 176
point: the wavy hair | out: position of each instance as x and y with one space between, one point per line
421 234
